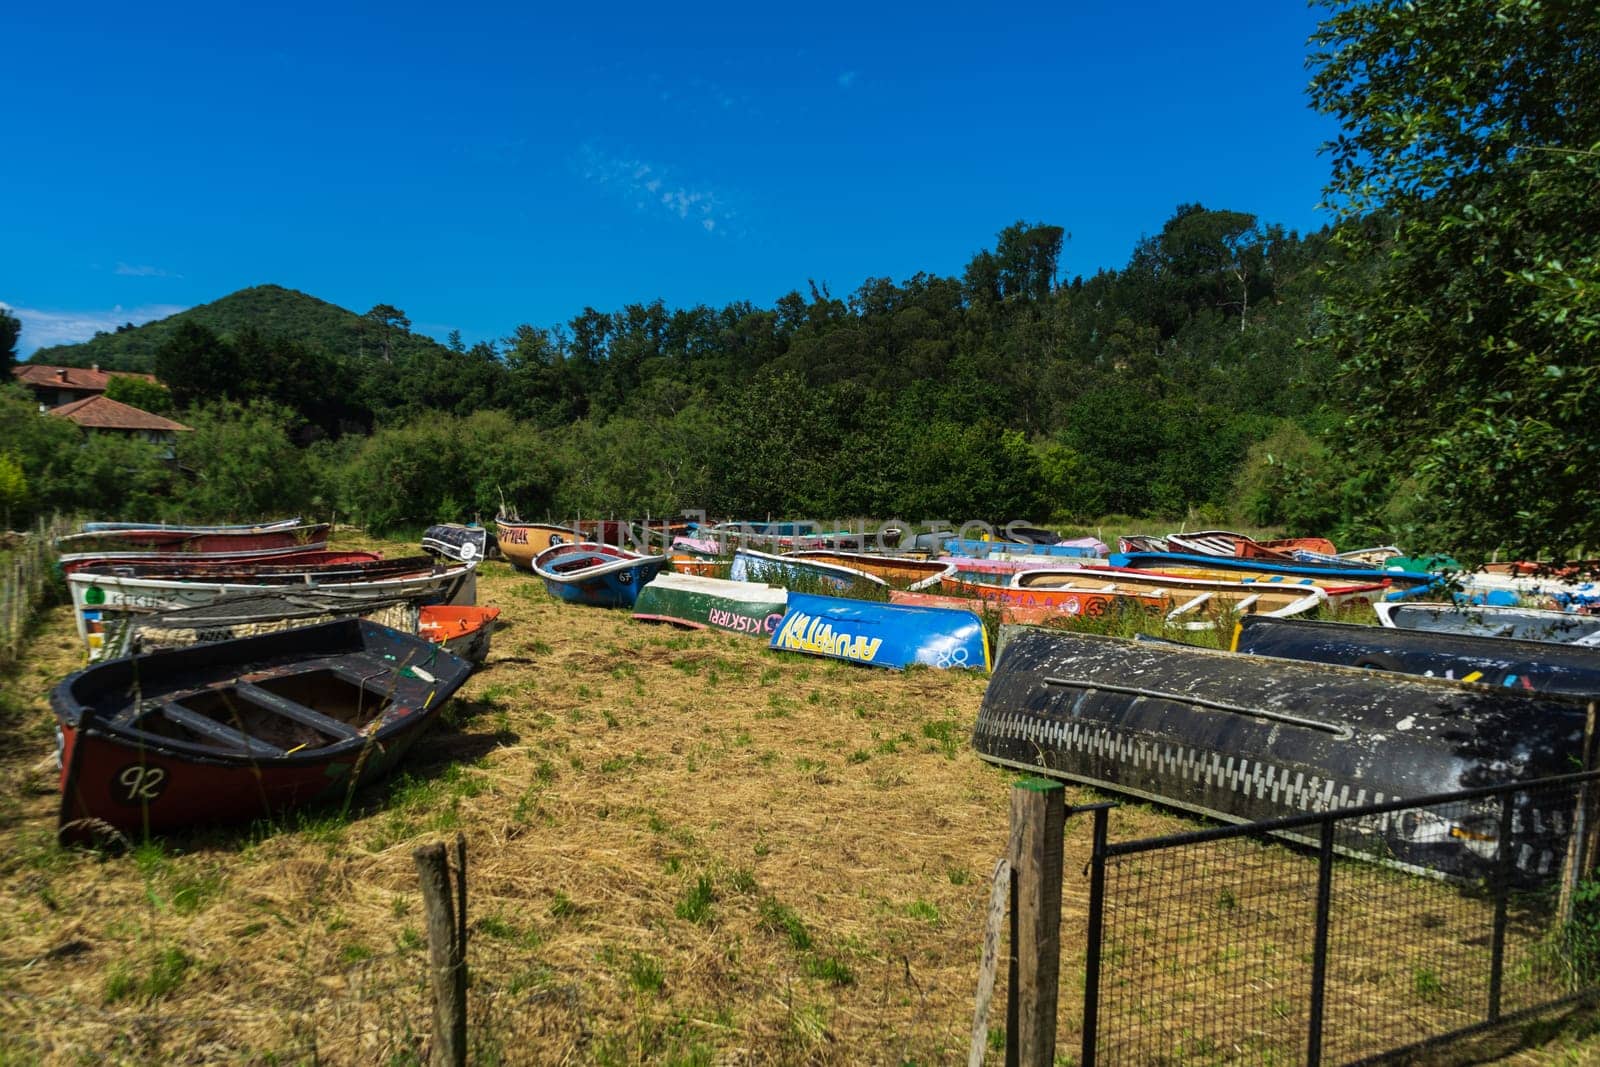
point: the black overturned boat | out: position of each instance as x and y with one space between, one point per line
1540 666
454 541
1246 738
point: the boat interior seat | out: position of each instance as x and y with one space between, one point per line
291 709
212 730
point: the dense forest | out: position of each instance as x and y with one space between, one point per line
1006 392
1425 370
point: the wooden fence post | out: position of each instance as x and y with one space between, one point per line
989 962
446 908
1582 844
1038 823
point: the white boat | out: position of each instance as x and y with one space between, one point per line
1196 603
1524 624
102 602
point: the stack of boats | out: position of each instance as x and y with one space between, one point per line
129 583
242 670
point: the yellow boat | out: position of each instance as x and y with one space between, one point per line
521 541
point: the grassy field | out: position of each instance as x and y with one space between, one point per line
683 849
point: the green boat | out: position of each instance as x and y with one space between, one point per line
712 604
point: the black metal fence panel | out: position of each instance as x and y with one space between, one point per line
1374 931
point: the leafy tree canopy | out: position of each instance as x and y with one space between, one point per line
1467 315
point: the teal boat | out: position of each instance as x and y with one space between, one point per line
752 566
712 604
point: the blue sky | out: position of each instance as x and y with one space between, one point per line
482 166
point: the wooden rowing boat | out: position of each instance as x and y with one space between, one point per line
465 630
178 540
1525 624
521 541
1006 614
103 603
1088 604
710 603
242 729
1340 592
269 524
1193 603
1243 738
752 566
1537 666
453 540
900 572
596 574
882 635
290 556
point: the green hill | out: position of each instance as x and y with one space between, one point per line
273 310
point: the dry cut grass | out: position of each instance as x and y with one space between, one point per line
684 849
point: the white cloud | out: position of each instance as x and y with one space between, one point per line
847 79
653 185
144 272
42 328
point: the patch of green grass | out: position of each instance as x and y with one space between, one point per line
830 969
354 953
946 734
1426 984
860 755
645 973
493 926
695 905
562 906
924 910
779 918
158 975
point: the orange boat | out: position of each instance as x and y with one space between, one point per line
1089 603
463 631
701 566
1009 613
1282 549
521 541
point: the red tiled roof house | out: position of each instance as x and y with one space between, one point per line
55 386
101 414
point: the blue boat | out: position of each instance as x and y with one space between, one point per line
601 575
883 635
1404 583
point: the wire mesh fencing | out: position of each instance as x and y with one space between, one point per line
1377 930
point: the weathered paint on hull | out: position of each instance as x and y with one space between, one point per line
882 635
1532 665
1526 624
598 575
1008 614
752 566
708 603
521 541
101 602
913 575
1243 738
1090 605
133 767
183 541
